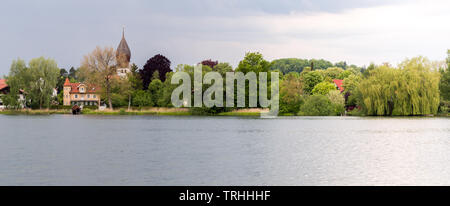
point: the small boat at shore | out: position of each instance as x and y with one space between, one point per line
76 110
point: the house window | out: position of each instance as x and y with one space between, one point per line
82 89
88 96
95 96
76 95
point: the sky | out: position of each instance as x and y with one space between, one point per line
189 31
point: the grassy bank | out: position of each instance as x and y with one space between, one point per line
156 111
34 112
150 111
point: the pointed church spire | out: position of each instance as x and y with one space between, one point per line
123 53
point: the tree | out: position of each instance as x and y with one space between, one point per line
37 81
135 83
310 80
253 62
341 64
289 65
142 98
222 68
345 74
61 79
367 71
323 88
100 69
317 105
291 93
156 88
157 63
444 84
332 73
72 73
337 101
411 89
209 63
320 64
350 85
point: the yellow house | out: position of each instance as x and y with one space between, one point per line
80 94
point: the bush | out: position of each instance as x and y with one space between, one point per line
91 107
142 98
118 100
208 111
317 105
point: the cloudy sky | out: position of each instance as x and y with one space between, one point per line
188 31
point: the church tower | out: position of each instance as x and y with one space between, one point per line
123 56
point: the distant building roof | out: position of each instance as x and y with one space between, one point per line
339 84
123 49
74 87
3 84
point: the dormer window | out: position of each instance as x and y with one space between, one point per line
82 89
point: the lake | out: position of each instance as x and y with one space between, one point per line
170 150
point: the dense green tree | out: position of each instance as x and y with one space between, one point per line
323 88
165 100
156 90
350 85
291 93
310 80
345 74
411 89
37 81
368 70
341 64
142 98
289 65
332 73
320 64
72 73
61 79
134 83
222 68
317 105
444 84
253 62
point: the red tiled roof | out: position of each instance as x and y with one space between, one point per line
3 84
67 82
339 83
74 87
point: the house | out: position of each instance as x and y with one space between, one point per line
80 94
339 84
4 89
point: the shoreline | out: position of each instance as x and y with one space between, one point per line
168 112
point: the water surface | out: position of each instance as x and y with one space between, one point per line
158 150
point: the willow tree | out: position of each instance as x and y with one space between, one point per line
99 68
37 81
410 89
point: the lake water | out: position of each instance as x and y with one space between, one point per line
158 150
